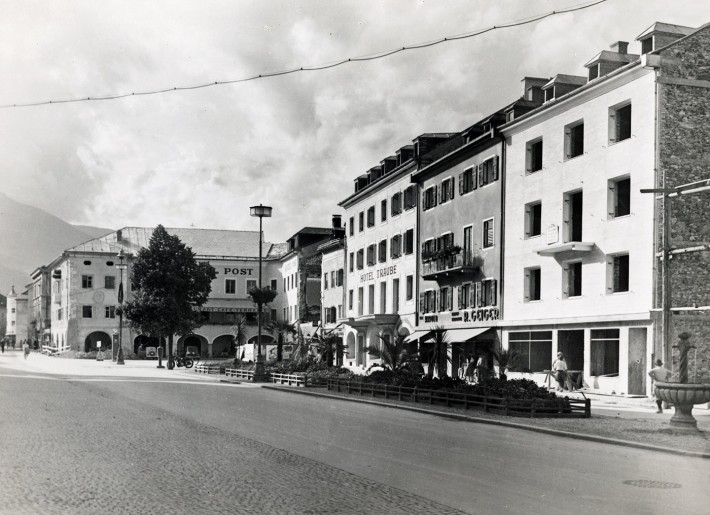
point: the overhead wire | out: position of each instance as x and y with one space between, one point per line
318 67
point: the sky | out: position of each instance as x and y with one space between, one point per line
200 158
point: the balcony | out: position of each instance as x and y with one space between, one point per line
444 262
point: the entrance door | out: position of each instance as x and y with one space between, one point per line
637 361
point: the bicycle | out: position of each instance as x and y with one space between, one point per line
180 361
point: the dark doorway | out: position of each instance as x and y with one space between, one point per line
571 344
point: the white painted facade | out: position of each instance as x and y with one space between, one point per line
594 174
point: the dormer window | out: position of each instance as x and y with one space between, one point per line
550 94
594 71
647 45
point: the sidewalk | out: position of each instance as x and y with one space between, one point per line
38 363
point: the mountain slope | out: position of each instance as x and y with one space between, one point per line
31 237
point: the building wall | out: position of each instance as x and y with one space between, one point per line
684 132
602 161
332 295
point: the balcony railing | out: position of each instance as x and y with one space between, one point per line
461 261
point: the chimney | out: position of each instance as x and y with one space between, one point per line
620 47
119 235
337 221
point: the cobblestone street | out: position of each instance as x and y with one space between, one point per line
66 450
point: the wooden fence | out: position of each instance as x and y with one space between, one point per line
207 368
239 373
559 407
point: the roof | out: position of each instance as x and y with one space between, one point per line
203 242
613 57
667 28
562 78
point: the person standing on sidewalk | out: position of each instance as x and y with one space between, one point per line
659 374
559 367
26 348
2 344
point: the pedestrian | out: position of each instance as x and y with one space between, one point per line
470 368
559 367
659 374
2 344
26 349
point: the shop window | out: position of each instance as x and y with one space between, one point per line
619 200
574 140
618 273
534 350
532 284
620 122
533 156
533 219
230 286
604 352
110 282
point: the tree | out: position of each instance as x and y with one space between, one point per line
507 360
169 285
394 354
438 355
328 346
238 330
281 328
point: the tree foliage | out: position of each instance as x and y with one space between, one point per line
437 347
168 283
394 354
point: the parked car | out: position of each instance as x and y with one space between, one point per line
192 352
151 353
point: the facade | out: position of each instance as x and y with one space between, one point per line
85 284
40 297
381 252
580 268
17 316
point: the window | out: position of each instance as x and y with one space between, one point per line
533 158
251 284
361 221
533 219
110 282
352 262
332 278
410 197
382 251
488 171
488 291
409 241
371 299
532 284
325 281
352 226
488 233
87 281
360 259
604 352
87 263
371 255
110 311
371 216
383 297
350 299
396 246
619 197
230 286
572 279
617 273
534 349
59 313
429 198
410 287
468 180
396 207
339 277
619 123
572 213
395 296
446 298
87 312
574 140
446 192
383 210
427 301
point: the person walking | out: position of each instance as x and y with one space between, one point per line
26 348
659 374
559 367
2 345
470 368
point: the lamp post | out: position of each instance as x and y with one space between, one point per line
121 267
260 211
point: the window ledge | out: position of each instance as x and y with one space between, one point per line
570 246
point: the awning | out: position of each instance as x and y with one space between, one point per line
464 335
416 335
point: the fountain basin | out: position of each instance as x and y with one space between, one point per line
683 396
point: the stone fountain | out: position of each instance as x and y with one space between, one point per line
683 395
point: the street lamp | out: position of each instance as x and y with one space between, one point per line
121 267
261 212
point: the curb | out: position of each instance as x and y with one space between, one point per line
514 425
